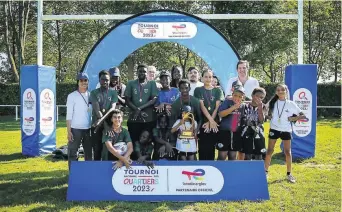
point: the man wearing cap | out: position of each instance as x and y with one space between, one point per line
167 95
193 76
115 83
79 120
141 96
151 75
248 83
103 99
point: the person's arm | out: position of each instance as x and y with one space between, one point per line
96 106
128 96
114 99
114 152
129 150
176 126
296 110
229 88
226 112
70 112
157 138
149 103
198 114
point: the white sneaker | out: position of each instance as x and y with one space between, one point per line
291 179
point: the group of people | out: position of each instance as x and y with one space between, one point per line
178 119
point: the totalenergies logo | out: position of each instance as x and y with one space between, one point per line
305 120
179 26
196 174
29 119
47 119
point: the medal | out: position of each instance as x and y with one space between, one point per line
282 110
88 109
103 110
279 121
208 97
209 108
140 100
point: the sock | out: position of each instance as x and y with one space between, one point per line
288 173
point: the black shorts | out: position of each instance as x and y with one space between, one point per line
186 153
275 134
253 144
229 141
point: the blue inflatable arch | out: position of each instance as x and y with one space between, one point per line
163 25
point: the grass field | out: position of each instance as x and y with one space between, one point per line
40 184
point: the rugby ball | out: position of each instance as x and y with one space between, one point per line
121 147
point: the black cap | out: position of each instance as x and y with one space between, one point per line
164 73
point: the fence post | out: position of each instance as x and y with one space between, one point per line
57 111
16 112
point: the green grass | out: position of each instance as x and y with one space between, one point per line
40 184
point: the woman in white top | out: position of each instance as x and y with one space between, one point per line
79 120
248 83
282 113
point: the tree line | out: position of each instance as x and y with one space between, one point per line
269 45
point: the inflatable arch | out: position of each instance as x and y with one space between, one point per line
162 25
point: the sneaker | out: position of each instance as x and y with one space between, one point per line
266 175
291 179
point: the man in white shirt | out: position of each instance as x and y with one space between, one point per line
193 77
248 83
151 75
79 120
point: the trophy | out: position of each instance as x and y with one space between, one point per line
188 133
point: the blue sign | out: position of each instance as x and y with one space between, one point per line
302 83
168 181
156 26
38 109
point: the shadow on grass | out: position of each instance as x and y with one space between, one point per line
50 188
14 156
332 122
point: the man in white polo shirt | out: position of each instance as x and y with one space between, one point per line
193 77
79 120
248 83
151 75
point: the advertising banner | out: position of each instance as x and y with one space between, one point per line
168 181
302 83
38 109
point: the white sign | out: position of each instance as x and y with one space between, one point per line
29 111
164 30
303 98
168 180
47 109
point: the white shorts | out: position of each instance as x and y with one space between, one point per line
186 145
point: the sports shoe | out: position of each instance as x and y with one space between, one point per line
291 179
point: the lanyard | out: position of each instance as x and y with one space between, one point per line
282 110
85 101
140 87
116 136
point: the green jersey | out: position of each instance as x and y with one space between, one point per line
209 98
123 136
105 100
143 149
140 95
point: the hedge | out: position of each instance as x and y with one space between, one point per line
328 95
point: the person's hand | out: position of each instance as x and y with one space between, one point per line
149 164
136 114
141 160
127 162
162 151
181 122
97 123
206 127
160 108
169 150
70 137
236 105
168 111
213 126
258 102
292 119
117 164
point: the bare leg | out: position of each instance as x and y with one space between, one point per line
270 150
241 156
248 156
222 155
288 155
231 155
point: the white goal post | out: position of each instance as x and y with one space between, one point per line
41 17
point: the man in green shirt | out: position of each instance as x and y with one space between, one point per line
141 96
118 147
102 100
185 99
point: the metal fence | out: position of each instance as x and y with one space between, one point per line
17 115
